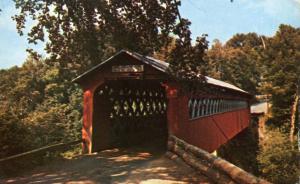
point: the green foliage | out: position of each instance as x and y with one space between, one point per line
261 65
237 61
38 108
186 60
278 158
14 134
282 69
236 149
82 33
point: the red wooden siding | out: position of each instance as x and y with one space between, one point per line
208 132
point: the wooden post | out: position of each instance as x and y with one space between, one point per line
172 114
87 121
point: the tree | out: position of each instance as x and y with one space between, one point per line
186 60
278 161
237 61
165 51
37 108
282 62
245 41
80 32
20 95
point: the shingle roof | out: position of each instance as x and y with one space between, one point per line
162 66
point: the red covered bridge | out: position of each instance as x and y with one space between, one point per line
130 98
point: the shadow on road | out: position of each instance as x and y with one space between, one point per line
130 165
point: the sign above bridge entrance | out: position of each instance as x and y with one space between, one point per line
128 68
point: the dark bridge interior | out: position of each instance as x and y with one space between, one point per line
129 113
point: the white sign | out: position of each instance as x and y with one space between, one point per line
128 68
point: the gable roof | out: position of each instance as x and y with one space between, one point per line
161 66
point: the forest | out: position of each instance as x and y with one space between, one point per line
41 106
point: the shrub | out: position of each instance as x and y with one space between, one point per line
278 158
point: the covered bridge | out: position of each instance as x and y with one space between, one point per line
130 98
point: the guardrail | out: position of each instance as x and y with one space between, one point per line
215 168
55 147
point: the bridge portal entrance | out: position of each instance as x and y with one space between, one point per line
129 113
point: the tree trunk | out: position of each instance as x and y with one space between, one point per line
293 117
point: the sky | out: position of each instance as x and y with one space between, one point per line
220 19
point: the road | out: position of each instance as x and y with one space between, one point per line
135 165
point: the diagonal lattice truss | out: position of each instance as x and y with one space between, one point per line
133 101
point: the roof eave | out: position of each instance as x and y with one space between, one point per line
159 65
77 79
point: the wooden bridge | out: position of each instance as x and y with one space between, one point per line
131 98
